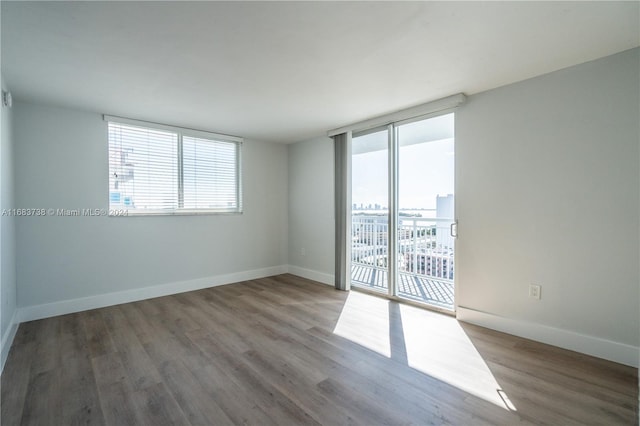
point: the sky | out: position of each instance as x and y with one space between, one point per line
426 165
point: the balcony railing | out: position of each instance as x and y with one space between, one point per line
425 257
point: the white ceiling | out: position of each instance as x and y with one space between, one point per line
288 71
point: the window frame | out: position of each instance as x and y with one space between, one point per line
180 132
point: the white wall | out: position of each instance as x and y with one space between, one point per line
547 193
311 209
61 162
547 188
7 235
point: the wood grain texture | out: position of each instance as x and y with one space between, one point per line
287 351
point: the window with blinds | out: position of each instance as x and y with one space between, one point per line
157 169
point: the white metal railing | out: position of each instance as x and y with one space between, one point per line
425 245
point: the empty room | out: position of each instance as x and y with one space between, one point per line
319 213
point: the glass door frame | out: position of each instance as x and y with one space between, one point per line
392 170
393 164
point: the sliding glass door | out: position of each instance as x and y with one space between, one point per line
370 210
426 211
403 211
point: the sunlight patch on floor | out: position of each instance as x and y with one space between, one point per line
431 343
438 346
365 320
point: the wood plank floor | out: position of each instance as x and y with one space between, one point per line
287 351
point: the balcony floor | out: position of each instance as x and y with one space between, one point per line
418 288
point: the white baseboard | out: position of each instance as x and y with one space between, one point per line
590 345
310 274
30 313
7 339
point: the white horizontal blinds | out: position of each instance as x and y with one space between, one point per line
210 174
143 168
160 169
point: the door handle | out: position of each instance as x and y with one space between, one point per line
453 229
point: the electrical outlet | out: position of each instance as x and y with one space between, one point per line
535 291
303 251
